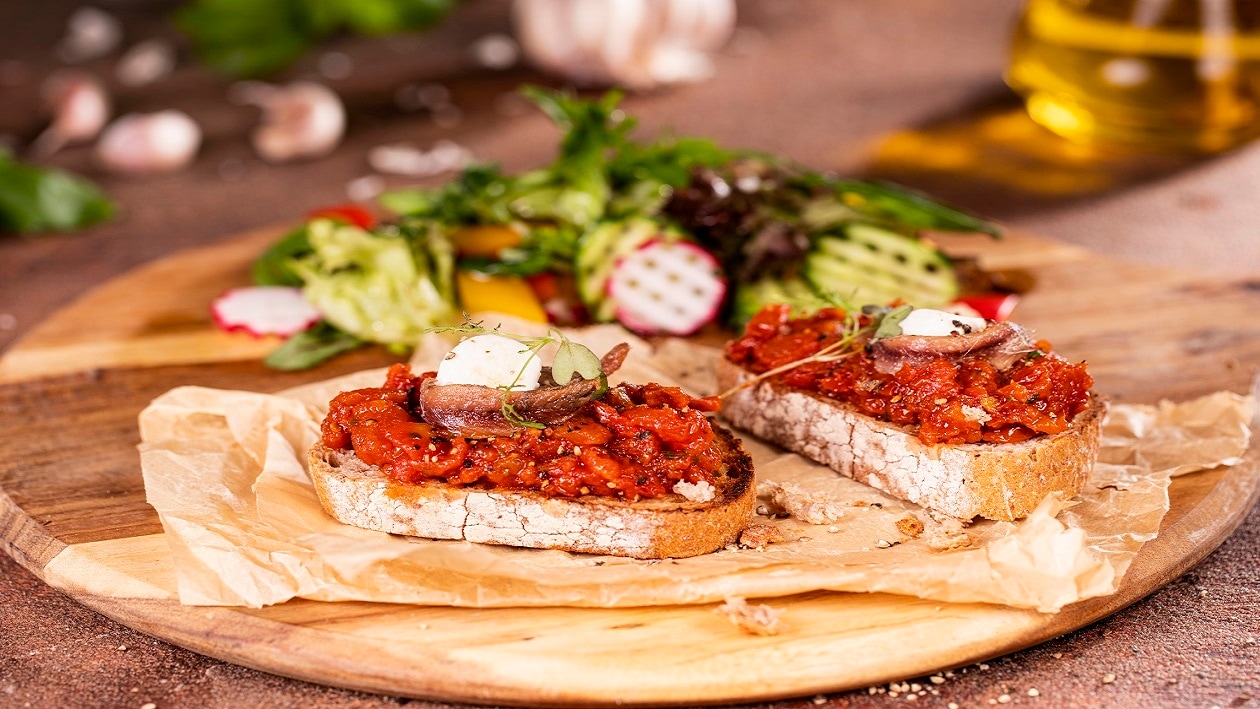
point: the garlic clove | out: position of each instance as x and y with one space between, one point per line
300 120
90 33
148 143
79 107
634 43
146 62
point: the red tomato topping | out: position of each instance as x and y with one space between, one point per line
947 401
637 442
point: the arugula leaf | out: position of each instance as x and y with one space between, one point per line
256 37
308 348
35 199
575 188
479 196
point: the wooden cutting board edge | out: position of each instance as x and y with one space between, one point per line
323 657
307 653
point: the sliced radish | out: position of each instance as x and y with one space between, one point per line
672 287
264 310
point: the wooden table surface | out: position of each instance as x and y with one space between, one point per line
882 87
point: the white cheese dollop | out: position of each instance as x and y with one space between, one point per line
491 361
938 323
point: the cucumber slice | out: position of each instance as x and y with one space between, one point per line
751 297
598 251
866 264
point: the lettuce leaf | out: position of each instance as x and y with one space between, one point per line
385 287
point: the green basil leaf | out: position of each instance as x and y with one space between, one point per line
35 199
306 349
257 37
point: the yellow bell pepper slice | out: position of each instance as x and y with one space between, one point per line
501 294
484 240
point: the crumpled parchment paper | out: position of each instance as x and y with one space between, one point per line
225 471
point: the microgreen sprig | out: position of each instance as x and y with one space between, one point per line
883 322
571 358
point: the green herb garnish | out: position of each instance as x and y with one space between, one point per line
571 358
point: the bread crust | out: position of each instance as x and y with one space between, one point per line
359 494
1000 481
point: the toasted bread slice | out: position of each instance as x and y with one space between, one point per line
1001 481
359 494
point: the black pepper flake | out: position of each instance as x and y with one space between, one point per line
468 463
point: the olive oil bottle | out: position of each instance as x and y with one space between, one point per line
1153 74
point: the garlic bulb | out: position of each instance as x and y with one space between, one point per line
149 142
79 107
300 120
633 43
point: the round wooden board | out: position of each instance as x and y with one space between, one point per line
72 507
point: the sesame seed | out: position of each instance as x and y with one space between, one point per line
983 666
952 705
915 687
149 705
940 402
883 544
937 679
1032 692
612 485
820 699
1004 699
1108 678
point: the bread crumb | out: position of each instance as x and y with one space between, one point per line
812 507
948 534
754 619
910 526
702 491
759 536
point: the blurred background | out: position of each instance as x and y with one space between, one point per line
200 119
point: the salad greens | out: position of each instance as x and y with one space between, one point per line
249 38
35 199
782 233
387 287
